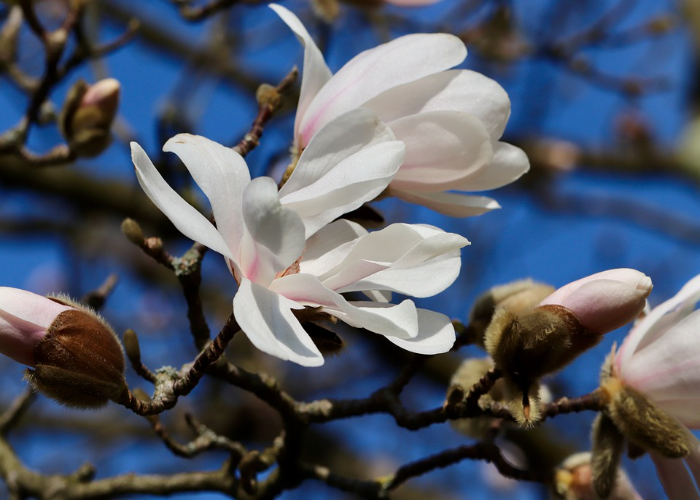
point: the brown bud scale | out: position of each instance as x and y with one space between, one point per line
79 362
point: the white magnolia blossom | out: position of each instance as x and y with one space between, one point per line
285 257
450 120
660 358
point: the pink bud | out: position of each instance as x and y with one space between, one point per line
77 358
105 95
604 301
24 319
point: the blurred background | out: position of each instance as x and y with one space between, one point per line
604 101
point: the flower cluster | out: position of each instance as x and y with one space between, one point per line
285 247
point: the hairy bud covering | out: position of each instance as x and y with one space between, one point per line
79 362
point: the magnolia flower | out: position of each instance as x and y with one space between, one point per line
659 359
75 355
450 120
285 257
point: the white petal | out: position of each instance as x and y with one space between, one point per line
655 324
330 245
267 320
508 165
183 216
24 318
350 161
457 90
429 262
443 150
222 174
670 369
273 237
395 320
436 334
424 280
370 73
315 74
452 204
675 478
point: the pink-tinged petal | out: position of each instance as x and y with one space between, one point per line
24 318
604 301
392 320
452 204
330 245
658 321
675 478
222 174
436 334
509 163
456 90
267 320
316 72
350 161
183 215
274 236
670 369
370 73
443 149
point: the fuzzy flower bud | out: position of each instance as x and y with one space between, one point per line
604 301
516 297
534 342
76 357
573 480
87 116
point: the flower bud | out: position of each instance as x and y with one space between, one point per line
77 358
608 443
643 423
604 301
516 297
573 480
87 116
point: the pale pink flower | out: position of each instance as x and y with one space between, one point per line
24 319
604 301
661 359
285 257
450 120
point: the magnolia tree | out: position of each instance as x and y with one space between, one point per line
320 310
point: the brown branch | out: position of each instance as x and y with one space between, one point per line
206 440
270 100
202 12
480 451
97 298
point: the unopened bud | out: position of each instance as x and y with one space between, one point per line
608 443
604 301
133 232
573 480
327 10
269 96
643 423
515 297
87 116
77 358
